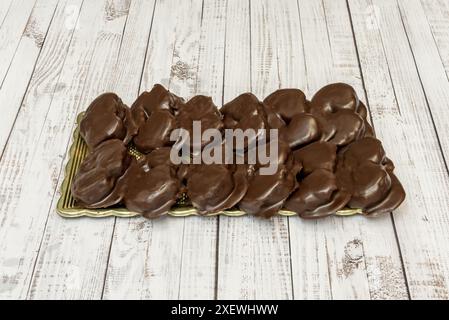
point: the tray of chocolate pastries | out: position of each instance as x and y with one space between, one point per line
286 155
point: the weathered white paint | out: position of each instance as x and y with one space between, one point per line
13 26
24 204
403 123
437 13
22 66
221 48
62 269
359 264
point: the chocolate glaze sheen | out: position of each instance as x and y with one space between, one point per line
95 182
215 187
328 158
154 113
107 118
150 191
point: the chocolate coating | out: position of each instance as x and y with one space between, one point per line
151 191
96 179
291 106
154 114
318 194
340 114
328 158
364 171
267 193
214 188
318 155
200 108
107 118
160 156
247 112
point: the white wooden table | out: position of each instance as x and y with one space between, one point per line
56 56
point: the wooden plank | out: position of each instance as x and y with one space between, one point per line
33 159
249 247
11 31
235 266
432 74
5 5
145 257
402 120
22 66
437 14
199 254
73 258
166 258
127 76
253 252
340 258
386 279
23 219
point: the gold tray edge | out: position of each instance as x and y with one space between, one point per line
124 213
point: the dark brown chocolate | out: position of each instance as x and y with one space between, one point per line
154 113
267 193
366 173
202 109
214 188
327 160
342 117
107 118
318 193
94 183
291 106
247 112
151 191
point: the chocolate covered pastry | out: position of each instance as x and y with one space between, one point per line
154 113
202 109
327 157
107 118
247 112
366 173
318 193
95 182
216 187
291 106
267 193
342 117
150 191
334 114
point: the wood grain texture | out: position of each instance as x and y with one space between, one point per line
199 246
4 9
62 269
145 257
57 55
23 213
36 145
13 26
437 14
189 243
22 66
236 265
267 253
403 123
358 264
429 65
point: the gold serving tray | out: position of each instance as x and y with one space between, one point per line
68 208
